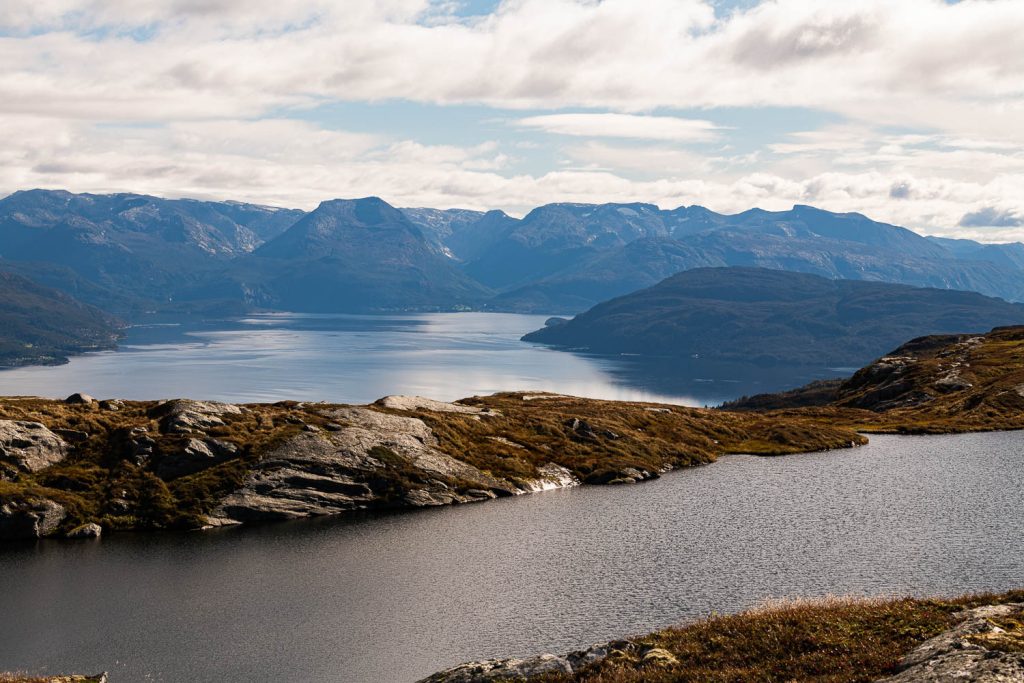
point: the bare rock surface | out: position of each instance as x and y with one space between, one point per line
30 446
19 521
488 670
185 416
502 670
553 476
421 403
90 530
978 650
368 459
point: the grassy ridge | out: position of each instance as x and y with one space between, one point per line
931 385
839 640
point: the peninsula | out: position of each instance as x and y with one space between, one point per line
81 466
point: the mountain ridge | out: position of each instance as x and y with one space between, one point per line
773 317
131 254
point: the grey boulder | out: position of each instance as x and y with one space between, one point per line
971 651
30 446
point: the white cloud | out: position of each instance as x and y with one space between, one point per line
167 96
609 125
295 164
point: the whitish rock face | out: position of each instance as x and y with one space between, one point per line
30 446
975 650
185 416
355 465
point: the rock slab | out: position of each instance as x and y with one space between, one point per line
977 650
30 446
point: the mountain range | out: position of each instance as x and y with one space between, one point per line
130 254
774 317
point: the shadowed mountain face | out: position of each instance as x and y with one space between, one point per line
1008 255
462 234
561 236
356 255
774 317
131 253
565 257
39 325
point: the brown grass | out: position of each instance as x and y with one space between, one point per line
836 640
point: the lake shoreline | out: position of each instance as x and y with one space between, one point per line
906 640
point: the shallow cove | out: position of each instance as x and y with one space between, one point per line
393 598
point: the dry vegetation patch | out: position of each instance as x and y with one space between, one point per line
835 640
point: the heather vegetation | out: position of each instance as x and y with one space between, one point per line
939 384
838 640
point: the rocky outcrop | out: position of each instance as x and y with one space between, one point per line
367 459
502 670
626 652
30 520
90 530
987 647
198 455
30 446
421 403
185 416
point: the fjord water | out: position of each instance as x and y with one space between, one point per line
388 599
359 358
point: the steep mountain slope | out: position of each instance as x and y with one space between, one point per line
774 317
1010 255
39 325
559 236
355 255
130 253
143 248
464 234
605 275
561 256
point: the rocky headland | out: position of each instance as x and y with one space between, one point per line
81 466
975 639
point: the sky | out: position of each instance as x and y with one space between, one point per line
911 112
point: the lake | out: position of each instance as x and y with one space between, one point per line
360 358
387 599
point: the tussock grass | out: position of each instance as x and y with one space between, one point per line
830 640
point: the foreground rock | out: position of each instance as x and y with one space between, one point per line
987 647
91 530
29 520
368 459
29 446
185 416
643 657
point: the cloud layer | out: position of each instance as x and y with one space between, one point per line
921 103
